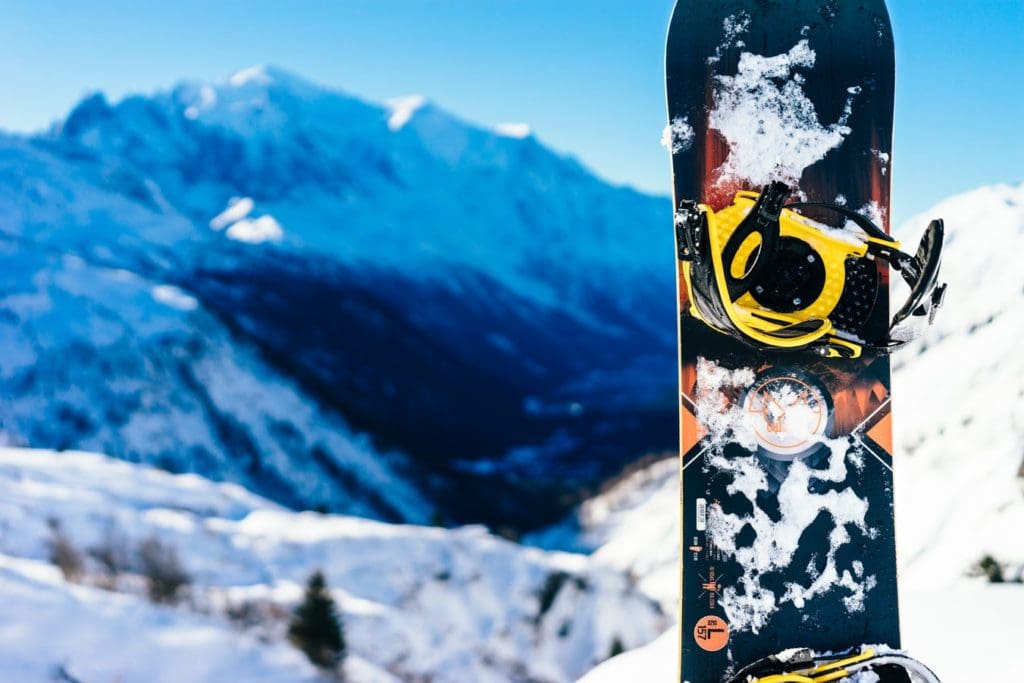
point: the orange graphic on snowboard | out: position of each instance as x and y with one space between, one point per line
711 633
772 411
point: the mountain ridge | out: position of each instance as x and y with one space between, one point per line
484 265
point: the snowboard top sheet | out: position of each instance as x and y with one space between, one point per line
786 469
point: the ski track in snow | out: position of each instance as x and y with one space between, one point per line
769 123
749 605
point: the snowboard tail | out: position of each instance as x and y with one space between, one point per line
786 468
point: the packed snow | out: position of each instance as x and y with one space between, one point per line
655 662
733 27
678 135
770 124
90 634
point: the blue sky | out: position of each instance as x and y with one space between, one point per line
585 74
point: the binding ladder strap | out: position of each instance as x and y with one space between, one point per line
764 273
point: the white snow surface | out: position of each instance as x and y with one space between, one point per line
417 603
655 662
513 130
646 502
678 135
256 231
959 440
770 125
175 297
402 109
100 636
252 74
237 209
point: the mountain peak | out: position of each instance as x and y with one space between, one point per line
92 109
267 76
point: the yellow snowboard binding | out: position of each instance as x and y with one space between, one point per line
862 664
765 274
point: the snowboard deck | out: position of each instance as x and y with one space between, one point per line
786 469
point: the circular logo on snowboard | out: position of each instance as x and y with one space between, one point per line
711 633
787 415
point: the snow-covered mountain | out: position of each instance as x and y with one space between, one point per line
479 317
462 604
959 440
417 603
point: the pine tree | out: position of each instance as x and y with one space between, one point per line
617 648
315 628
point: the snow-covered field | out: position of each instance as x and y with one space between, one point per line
959 439
417 603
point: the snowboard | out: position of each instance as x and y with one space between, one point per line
787 533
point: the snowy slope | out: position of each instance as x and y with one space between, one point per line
959 413
959 441
437 294
50 626
419 603
102 357
632 526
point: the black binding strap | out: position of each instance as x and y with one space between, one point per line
763 219
926 263
862 222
